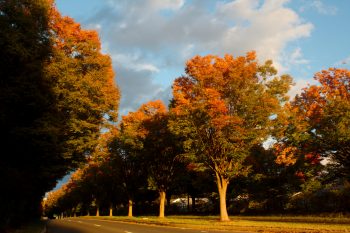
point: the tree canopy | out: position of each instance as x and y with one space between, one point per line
224 106
57 92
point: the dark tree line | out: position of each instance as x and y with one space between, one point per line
56 92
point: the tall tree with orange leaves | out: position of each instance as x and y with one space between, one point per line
145 140
162 152
57 92
223 107
322 124
86 95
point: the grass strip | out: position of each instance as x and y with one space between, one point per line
273 224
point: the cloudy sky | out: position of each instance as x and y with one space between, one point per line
150 40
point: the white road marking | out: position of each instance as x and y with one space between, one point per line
80 222
127 231
97 225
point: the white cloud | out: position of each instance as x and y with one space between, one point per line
143 36
320 7
297 57
267 28
133 62
166 4
294 59
137 87
324 9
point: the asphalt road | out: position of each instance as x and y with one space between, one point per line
77 225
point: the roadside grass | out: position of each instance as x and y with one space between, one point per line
33 227
265 224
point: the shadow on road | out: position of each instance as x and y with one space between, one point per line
57 227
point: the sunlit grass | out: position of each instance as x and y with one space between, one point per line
256 224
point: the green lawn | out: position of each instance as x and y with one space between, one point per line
273 224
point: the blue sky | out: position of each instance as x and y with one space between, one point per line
150 40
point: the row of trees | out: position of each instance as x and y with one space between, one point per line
57 91
58 96
222 113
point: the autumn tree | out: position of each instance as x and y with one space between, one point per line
322 114
126 154
162 151
83 82
93 184
145 140
224 106
57 92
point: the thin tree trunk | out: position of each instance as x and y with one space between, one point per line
111 210
222 188
193 203
188 203
162 197
97 210
130 203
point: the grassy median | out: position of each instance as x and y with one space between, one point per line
250 224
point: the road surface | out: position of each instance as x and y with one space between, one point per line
77 225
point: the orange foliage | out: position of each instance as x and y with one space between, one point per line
131 124
335 85
285 155
223 106
206 86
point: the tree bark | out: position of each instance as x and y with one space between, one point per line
130 203
188 203
111 210
193 203
222 188
97 210
162 197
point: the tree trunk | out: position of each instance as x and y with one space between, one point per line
111 210
130 203
222 188
161 204
188 203
193 203
97 210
